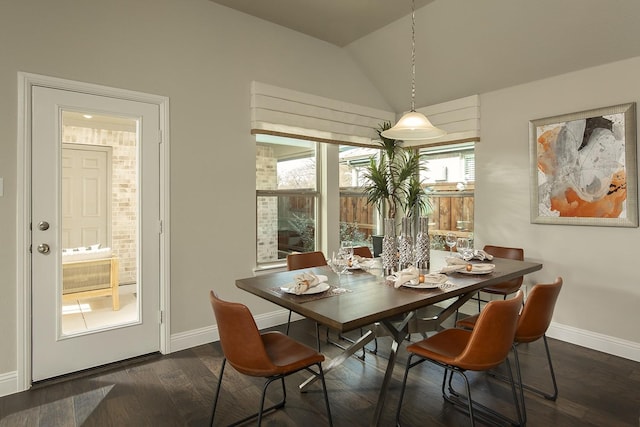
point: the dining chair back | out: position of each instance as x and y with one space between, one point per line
510 286
270 355
362 251
297 261
533 322
457 350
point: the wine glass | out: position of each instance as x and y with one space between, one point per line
338 264
451 241
464 248
346 253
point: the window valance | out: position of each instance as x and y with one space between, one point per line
285 112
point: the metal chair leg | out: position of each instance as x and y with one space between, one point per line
540 392
288 323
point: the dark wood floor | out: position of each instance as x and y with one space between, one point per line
596 389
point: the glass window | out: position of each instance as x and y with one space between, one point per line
449 179
358 219
287 197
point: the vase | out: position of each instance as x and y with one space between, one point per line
389 247
423 244
405 244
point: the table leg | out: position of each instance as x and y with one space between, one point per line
348 352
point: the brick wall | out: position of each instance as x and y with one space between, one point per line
267 209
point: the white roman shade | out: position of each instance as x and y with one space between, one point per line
460 118
285 112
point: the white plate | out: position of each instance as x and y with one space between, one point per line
479 269
324 286
431 281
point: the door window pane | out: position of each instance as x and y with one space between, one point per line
99 221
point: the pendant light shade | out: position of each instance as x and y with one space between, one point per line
413 125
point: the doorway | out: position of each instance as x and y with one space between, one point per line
97 211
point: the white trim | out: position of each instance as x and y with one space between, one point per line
23 308
8 383
595 341
208 334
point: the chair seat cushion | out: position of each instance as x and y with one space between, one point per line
287 354
444 347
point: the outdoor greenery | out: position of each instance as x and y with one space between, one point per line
305 227
393 180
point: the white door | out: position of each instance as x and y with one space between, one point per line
86 194
55 350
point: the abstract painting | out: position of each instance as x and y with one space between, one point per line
584 168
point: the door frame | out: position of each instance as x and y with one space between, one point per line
26 81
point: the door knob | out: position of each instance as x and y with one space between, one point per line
43 225
43 248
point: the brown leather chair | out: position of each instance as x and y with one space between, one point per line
510 286
458 350
532 325
270 355
363 251
297 261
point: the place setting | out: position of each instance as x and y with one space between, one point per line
310 286
468 260
411 277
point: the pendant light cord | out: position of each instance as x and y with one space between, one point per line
413 55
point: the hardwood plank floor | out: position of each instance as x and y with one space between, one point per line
595 389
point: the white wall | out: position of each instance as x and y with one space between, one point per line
601 289
203 57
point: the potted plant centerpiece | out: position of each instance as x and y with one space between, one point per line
394 186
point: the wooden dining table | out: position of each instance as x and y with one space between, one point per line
368 300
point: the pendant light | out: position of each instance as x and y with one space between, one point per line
413 125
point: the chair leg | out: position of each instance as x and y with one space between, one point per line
466 404
537 391
402 388
410 365
326 396
215 399
449 373
288 323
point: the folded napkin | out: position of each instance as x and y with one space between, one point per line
482 255
303 282
454 264
410 274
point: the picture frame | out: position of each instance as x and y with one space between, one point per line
584 168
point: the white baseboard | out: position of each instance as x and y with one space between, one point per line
8 383
185 340
595 341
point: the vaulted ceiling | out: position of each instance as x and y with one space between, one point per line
463 47
336 21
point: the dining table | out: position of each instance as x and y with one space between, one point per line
367 299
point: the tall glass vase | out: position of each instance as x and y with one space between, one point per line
405 244
389 247
423 244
